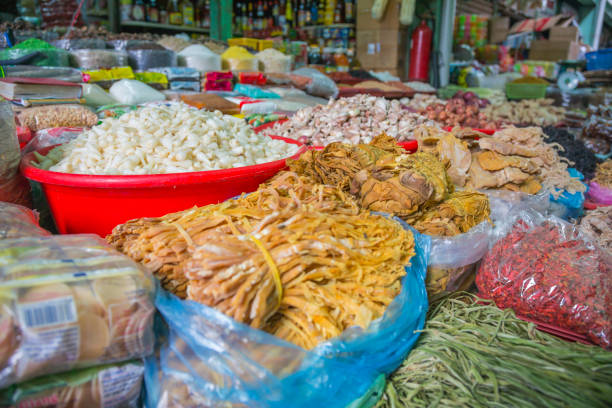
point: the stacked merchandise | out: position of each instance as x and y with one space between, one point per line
471 30
75 316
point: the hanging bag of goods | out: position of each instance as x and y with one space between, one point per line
547 271
294 297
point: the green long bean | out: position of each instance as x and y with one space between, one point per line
472 354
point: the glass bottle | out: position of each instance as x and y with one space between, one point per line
174 13
187 11
152 12
138 10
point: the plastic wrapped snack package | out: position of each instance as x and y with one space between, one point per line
199 57
547 271
274 61
50 57
321 85
133 92
51 116
117 385
17 221
69 302
143 60
211 360
97 59
453 260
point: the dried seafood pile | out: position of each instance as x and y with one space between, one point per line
526 112
353 120
458 112
420 102
516 159
295 259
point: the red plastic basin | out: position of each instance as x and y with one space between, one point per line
83 203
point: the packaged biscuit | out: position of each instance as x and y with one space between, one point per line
107 386
69 302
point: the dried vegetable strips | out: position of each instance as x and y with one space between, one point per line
303 264
472 354
155 242
545 270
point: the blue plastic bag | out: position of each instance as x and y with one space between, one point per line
254 92
208 359
569 205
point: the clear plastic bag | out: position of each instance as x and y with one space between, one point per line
453 260
52 137
143 60
14 188
51 57
31 71
96 96
67 302
88 59
10 155
321 85
545 270
117 385
133 92
17 221
209 359
70 44
52 116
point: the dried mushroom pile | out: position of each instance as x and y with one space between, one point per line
295 259
516 159
353 120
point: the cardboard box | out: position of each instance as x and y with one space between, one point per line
547 50
389 21
498 29
381 49
563 34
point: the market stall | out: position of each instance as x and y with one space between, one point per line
296 216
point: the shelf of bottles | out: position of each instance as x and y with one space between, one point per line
179 15
312 28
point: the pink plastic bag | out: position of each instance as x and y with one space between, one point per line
599 194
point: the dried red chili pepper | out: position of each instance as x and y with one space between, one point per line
547 272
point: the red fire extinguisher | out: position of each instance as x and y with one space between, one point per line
419 53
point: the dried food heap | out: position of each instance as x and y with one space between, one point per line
353 120
597 132
539 112
574 150
458 214
603 174
597 225
295 259
546 271
516 159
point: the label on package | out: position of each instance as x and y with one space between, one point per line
120 386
